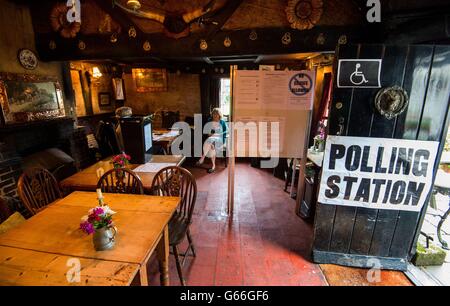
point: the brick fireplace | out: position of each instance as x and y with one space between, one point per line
10 170
19 141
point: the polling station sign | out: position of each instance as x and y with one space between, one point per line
377 173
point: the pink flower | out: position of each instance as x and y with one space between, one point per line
98 211
87 227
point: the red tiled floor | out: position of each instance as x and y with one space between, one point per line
264 243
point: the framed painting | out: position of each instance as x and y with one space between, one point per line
150 79
25 98
104 99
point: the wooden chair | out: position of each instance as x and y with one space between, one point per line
121 180
37 188
177 181
5 211
169 118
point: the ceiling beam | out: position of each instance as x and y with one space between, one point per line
269 42
118 15
222 16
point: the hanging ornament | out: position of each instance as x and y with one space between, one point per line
113 38
203 45
227 42
52 45
304 14
320 39
81 45
222 70
147 47
286 39
253 35
342 40
132 32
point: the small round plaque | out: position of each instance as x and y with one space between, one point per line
147 47
81 45
203 45
227 42
28 59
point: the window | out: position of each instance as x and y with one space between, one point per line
224 97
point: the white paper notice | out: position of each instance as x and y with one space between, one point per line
273 90
247 89
152 167
271 135
246 137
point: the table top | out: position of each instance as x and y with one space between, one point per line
87 179
315 157
140 221
19 267
164 135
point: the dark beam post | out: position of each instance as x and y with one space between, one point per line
222 17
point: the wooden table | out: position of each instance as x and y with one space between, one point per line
36 252
86 180
161 137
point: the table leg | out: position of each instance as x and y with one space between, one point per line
163 257
143 275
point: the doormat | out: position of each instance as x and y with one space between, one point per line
347 276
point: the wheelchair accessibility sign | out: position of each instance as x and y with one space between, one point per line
359 73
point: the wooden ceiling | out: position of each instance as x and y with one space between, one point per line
232 19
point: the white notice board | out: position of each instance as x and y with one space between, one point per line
267 100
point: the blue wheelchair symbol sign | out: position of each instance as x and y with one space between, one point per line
300 84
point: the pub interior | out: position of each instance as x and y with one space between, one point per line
119 152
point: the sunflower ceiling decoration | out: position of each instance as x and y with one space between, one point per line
304 14
59 22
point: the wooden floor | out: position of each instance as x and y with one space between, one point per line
265 243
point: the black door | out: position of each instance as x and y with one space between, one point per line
352 236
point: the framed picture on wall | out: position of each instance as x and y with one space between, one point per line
26 97
150 79
118 89
104 99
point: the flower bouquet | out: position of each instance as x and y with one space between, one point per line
99 222
121 160
319 142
